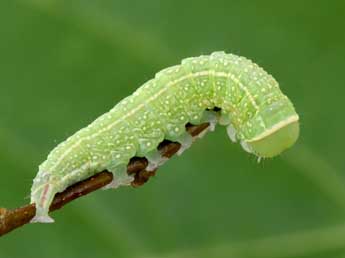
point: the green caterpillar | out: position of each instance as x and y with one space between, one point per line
251 105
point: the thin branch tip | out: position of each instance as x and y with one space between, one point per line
12 219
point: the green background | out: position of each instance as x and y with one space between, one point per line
63 63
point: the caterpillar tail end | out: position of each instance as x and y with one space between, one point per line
42 195
41 216
42 219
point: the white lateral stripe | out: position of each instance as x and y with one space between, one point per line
275 128
155 96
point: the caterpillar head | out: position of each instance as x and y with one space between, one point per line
275 140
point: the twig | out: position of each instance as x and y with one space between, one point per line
12 219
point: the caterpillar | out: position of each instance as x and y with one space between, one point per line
247 100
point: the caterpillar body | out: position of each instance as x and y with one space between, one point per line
255 111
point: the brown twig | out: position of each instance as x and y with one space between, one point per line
12 219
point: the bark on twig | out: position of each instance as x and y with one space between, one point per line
12 219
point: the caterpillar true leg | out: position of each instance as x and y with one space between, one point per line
231 132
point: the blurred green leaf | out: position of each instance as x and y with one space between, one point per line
63 63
